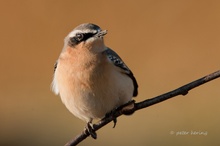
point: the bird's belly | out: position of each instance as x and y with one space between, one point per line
92 97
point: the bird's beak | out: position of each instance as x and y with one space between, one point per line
101 33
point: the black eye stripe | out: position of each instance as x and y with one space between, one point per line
79 37
83 36
88 35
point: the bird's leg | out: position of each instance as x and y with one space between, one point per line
90 130
125 109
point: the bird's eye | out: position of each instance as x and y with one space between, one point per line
79 37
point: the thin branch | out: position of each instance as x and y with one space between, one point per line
137 106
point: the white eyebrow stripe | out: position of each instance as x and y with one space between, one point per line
74 32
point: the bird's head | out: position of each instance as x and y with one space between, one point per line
87 34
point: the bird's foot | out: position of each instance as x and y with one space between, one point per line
124 109
89 128
112 114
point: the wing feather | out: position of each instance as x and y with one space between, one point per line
117 61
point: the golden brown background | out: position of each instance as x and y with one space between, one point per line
166 43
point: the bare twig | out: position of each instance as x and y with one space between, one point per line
137 106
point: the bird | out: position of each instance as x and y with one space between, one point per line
91 79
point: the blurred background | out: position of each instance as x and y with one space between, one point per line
166 43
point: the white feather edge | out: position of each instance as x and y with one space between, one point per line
54 86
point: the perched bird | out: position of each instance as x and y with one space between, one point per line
90 78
